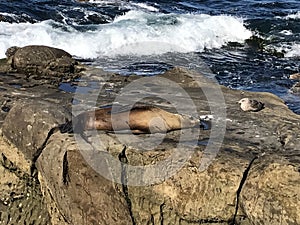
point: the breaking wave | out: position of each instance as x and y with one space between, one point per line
136 32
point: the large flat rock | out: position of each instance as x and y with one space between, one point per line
253 178
82 195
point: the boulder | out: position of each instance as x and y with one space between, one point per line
82 195
34 57
256 146
74 193
2 18
39 62
28 125
296 88
21 199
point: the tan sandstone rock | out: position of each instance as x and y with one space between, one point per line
254 178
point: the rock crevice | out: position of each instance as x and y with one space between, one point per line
123 159
239 190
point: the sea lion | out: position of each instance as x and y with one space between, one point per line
251 105
142 119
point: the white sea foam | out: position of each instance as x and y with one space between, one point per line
103 2
286 32
294 51
8 14
136 32
289 50
144 6
293 16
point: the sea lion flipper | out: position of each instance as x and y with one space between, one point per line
205 124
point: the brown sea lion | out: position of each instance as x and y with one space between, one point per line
142 119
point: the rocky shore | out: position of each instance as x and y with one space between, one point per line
46 178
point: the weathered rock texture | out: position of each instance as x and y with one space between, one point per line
29 124
82 195
21 200
72 191
38 62
296 86
272 187
254 179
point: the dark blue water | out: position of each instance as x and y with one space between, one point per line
262 62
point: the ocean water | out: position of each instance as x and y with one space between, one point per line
247 44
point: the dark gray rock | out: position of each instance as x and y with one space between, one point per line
2 18
34 57
11 51
41 62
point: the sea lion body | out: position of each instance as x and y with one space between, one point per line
147 119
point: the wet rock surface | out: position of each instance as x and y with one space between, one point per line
253 179
296 87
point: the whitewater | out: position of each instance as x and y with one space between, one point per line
136 32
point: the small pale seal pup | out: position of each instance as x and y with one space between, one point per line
142 119
251 105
